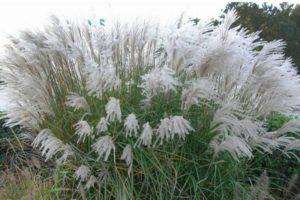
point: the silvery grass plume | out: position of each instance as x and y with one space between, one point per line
102 125
113 110
221 80
198 89
51 145
91 182
180 126
78 102
83 130
127 156
83 173
104 146
146 136
131 125
163 130
158 80
175 125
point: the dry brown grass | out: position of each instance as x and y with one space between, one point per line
23 185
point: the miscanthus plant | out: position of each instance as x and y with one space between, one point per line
140 111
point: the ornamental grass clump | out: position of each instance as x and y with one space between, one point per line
140 111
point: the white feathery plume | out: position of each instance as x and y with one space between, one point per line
49 144
168 79
127 156
42 136
294 145
91 182
198 89
293 126
100 78
272 79
83 130
236 146
169 127
226 120
131 125
241 134
158 80
22 115
163 130
146 136
83 173
249 129
104 146
113 110
77 102
27 101
267 143
180 126
102 125
100 39
66 154
178 47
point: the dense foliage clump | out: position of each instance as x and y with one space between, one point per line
144 112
